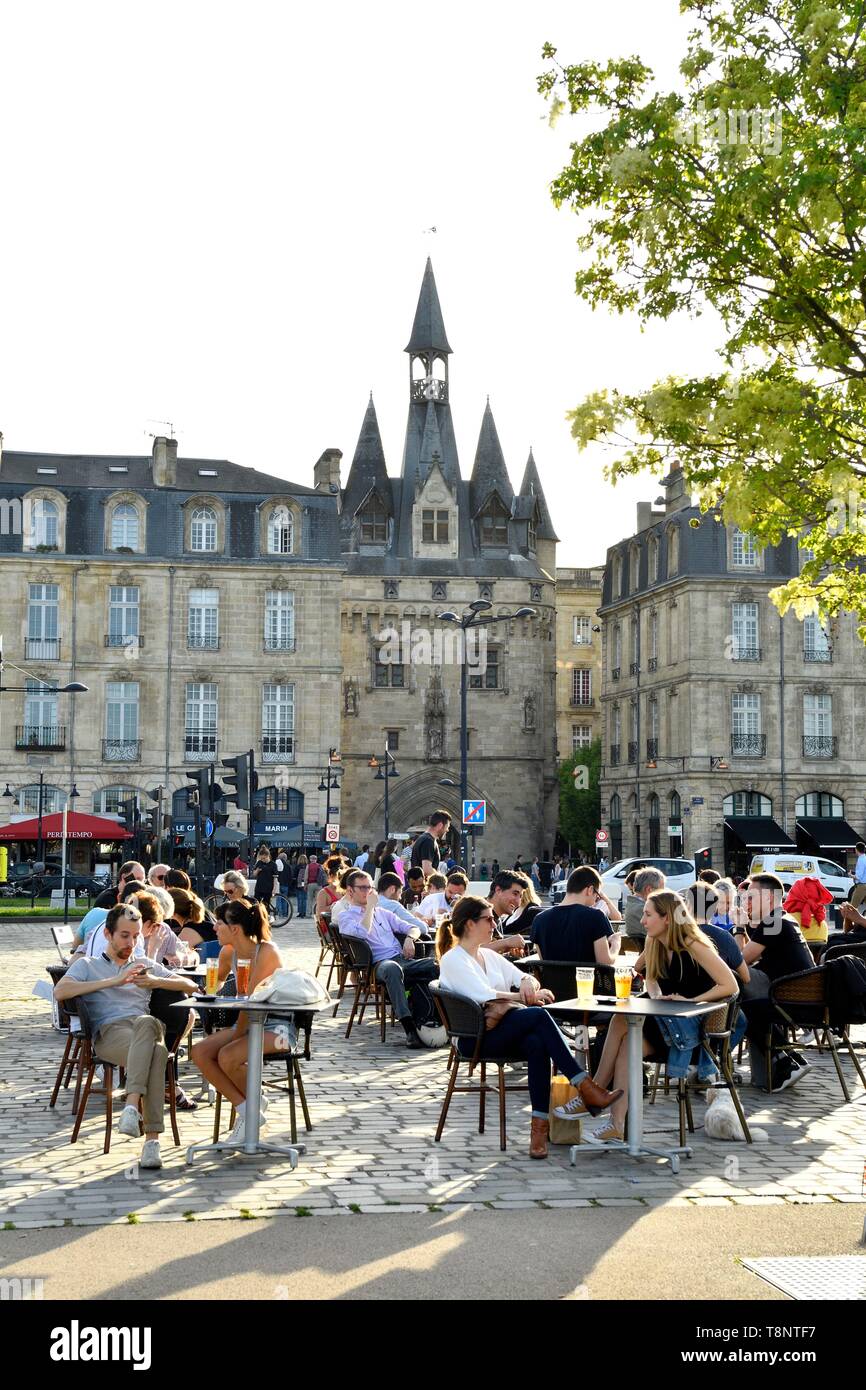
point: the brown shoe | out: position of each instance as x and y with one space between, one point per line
538 1136
596 1098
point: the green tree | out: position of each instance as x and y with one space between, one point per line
580 811
743 191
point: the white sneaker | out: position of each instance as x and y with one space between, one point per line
150 1155
128 1123
572 1109
239 1129
605 1134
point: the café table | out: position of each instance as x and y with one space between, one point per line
256 1013
634 1011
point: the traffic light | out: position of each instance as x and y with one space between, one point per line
241 780
127 814
199 789
703 859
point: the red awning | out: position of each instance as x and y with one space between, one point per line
78 827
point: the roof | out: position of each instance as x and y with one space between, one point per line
428 330
489 472
134 471
368 471
532 485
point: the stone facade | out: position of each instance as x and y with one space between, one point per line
741 728
578 659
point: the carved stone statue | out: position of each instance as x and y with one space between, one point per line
350 697
529 713
434 719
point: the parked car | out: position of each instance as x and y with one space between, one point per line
18 872
789 867
53 882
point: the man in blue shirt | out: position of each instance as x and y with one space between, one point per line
394 960
859 893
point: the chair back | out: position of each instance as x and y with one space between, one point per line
720 1022
558 976
857 948
63 937
79 1008
322 925
461 1017
358 952
802 997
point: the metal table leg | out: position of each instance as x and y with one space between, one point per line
251 1144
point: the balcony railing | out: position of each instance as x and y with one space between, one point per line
123 639
42 648
817 654
820 745
199 748
653 664
749 745
51 736
614 675
203 639
121 750
280 644
632 753
278 748
581 701
634 668
652 749
743 652
614 755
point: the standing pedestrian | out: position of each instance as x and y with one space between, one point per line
425 852
301 884
859 893
315 880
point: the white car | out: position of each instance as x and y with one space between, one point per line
679 873
789 867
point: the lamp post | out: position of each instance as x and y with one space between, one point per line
73 796
330 782
476 615
384 772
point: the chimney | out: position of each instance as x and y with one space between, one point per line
326 474
164 461
676 496
644 516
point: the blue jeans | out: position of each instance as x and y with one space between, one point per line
682 1037
301 895
530 1033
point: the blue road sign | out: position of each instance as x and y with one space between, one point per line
208 827
474 812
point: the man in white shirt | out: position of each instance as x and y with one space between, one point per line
455 886
859 893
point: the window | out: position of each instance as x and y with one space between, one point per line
653 559
121 720
123 614
747 740
744 551
53 799
818 741
615 734
532 532
581 736
581 631
617 576
673 550
615 807
124 527
203 625
654 806
386 673
489 680
392 740
373 523
203 529
634 629
653 640
746 643
201 721
747 804
676 809
581 687
434 526
279 620
652 733
634 569
280 531
820 804
40 714
287 801
816 644
44 523
616 650
43 622
107 801
278 723
494 523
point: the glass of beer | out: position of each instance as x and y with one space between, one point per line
622 982
585 978
212 976
243 976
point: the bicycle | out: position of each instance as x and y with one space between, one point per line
280 911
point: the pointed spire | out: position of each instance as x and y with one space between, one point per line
431 445
489 473
531 489
368 470
428 330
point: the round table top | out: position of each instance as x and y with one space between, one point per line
252 1006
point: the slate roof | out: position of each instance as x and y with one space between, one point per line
489 473
531 486
93 470
428 330
368 470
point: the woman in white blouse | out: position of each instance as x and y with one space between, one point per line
525 1030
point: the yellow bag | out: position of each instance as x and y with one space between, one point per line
816 931
562 1131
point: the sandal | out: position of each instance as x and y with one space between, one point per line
182 1101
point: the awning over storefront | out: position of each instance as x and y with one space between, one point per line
828 833
78 827
759 833
228 838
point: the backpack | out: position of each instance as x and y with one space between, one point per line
314 872
846 990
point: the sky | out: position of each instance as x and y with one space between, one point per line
218 216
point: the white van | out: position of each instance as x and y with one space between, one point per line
679 874
789 867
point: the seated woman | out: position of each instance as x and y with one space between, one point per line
188 920
681 963
162 945
330 891
243 931
524 1029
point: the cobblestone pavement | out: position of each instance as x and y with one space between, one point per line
374 1109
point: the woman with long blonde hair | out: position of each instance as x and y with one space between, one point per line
680 963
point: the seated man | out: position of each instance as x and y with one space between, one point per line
505 897
416 888
455 886
853 931
395 966
117 989
575 930
774 943
389 890
644 882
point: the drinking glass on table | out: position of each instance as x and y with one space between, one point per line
242 972
622 981
212 976
585 980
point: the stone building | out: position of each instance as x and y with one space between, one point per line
578 659
726 726
431 541
196 599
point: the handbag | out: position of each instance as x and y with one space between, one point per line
291 989
496 1009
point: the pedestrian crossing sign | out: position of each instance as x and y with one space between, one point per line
475 813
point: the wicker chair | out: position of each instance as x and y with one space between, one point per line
464 1019
360 959
327 946
715 1039
292 1058
801 1002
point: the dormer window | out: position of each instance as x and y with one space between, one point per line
44 518
124 528
280 531
203 530
434 527
373 523
494 523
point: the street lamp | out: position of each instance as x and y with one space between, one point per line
330 781
476 615
384 772
73 796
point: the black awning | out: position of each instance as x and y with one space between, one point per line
227 836
759 832
831 832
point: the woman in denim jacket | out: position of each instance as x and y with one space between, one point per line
681 963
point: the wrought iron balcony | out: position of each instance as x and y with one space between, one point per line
749 745
653 664
50 736
614 675
42 648
581 701
817 654
121 750
632 752
742 651
123 639
207 640
820 745
614 755
652 749
634 668
280 644
278 748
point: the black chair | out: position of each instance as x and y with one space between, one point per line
800 1001
856 948
464 1020
360 961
